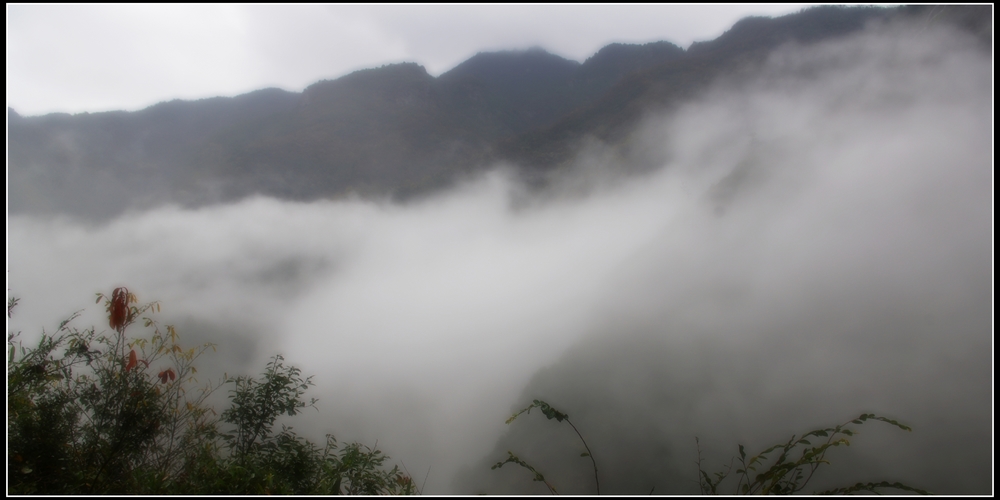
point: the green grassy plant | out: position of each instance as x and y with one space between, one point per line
550 413
795 463
782 469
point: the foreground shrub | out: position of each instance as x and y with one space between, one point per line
258 460
110 413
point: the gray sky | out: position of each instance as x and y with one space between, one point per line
76 58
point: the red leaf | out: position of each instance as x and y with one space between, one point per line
119 308
132 361
165 374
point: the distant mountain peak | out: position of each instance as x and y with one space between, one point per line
500 64
394 128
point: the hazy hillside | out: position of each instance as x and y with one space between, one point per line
393 130
658 86
98 164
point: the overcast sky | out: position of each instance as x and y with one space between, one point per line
76 58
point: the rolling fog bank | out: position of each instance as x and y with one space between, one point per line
816 244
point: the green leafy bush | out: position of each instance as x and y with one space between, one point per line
111 413
113 421
262 461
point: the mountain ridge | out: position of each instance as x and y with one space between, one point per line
394 130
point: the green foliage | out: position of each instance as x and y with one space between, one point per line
547 410
359 467
514 459
84 417
257 404
788 475
261 461
785 476
550 413
87 415
11 303
99 413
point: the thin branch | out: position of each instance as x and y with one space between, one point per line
589 454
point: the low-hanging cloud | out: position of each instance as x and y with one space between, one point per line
816 244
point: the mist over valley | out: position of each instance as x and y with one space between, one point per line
761 235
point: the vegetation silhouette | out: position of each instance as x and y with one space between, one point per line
93 412
787 475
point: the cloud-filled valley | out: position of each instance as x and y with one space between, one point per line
815 243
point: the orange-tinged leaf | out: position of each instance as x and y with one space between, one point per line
132 360
167 374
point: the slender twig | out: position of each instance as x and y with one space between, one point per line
425 480
589 454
